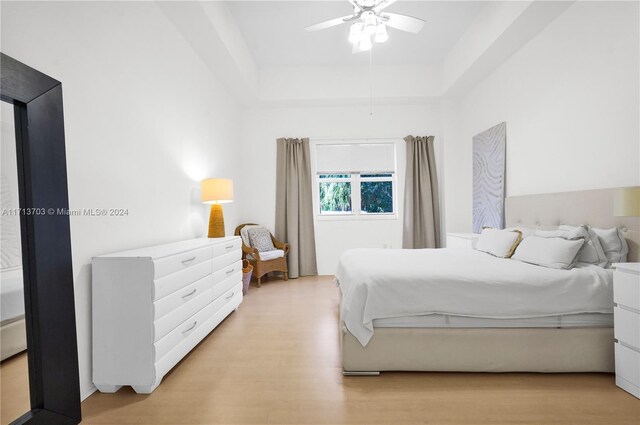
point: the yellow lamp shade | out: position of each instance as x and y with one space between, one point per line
626 202
217 191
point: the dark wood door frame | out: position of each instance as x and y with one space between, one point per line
54 383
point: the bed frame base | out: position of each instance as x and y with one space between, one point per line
345 373
546 350
13 339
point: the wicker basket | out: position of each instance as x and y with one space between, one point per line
247 270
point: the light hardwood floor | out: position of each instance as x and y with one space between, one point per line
276 361
14 388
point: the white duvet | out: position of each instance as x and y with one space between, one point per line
384 283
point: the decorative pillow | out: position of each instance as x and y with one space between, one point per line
261 239
590 253
614 244
552 252
500 243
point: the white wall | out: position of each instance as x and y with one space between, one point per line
145 120
570 98
261 127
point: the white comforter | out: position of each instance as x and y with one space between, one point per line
383 283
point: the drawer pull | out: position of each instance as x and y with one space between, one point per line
228 247
190 293
188 260
231 271
228 297
190 328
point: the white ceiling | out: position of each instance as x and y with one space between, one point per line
274 32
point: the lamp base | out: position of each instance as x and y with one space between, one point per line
216 222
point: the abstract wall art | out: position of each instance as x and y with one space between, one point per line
489 161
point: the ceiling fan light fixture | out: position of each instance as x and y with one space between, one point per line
381 33
365 43
355 32
370 23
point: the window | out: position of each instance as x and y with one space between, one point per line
376 193
335 193
356 180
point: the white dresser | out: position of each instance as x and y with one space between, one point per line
626 297
151 306
462 240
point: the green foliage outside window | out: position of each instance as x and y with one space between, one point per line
376 197
335 197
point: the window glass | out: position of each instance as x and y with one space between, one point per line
335 197
376 197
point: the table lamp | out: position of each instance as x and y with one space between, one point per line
216 192
626 202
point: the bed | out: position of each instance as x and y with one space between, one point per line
544 323
13 338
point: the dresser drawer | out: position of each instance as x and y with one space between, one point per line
180 333
626 289
228 259
175 263
627 364
178 298
225 248
178 280
627 326
193 323
169 322
222 289
227 271
220 309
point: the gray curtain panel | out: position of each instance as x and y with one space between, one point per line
421 204
294 206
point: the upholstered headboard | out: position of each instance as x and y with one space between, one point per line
592 207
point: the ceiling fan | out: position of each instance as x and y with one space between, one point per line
369 20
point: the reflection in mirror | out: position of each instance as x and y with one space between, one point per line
14 378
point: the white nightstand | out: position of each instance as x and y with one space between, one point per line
462 240
626 310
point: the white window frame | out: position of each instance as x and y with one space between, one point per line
356 212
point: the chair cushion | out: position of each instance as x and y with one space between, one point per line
269 255
260 239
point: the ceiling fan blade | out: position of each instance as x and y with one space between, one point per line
384 3
403 22
354 4
330 23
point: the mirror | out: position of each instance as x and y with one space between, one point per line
14 373
45 245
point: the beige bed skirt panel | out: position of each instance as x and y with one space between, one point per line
480 350
13 338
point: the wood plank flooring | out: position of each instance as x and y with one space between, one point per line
14 388
276 361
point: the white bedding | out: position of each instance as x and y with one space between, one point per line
11 295
383 283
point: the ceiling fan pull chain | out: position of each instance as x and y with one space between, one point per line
371 81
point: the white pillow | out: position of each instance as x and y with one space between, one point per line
614 244
590 253
244 233
555 253
500 243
